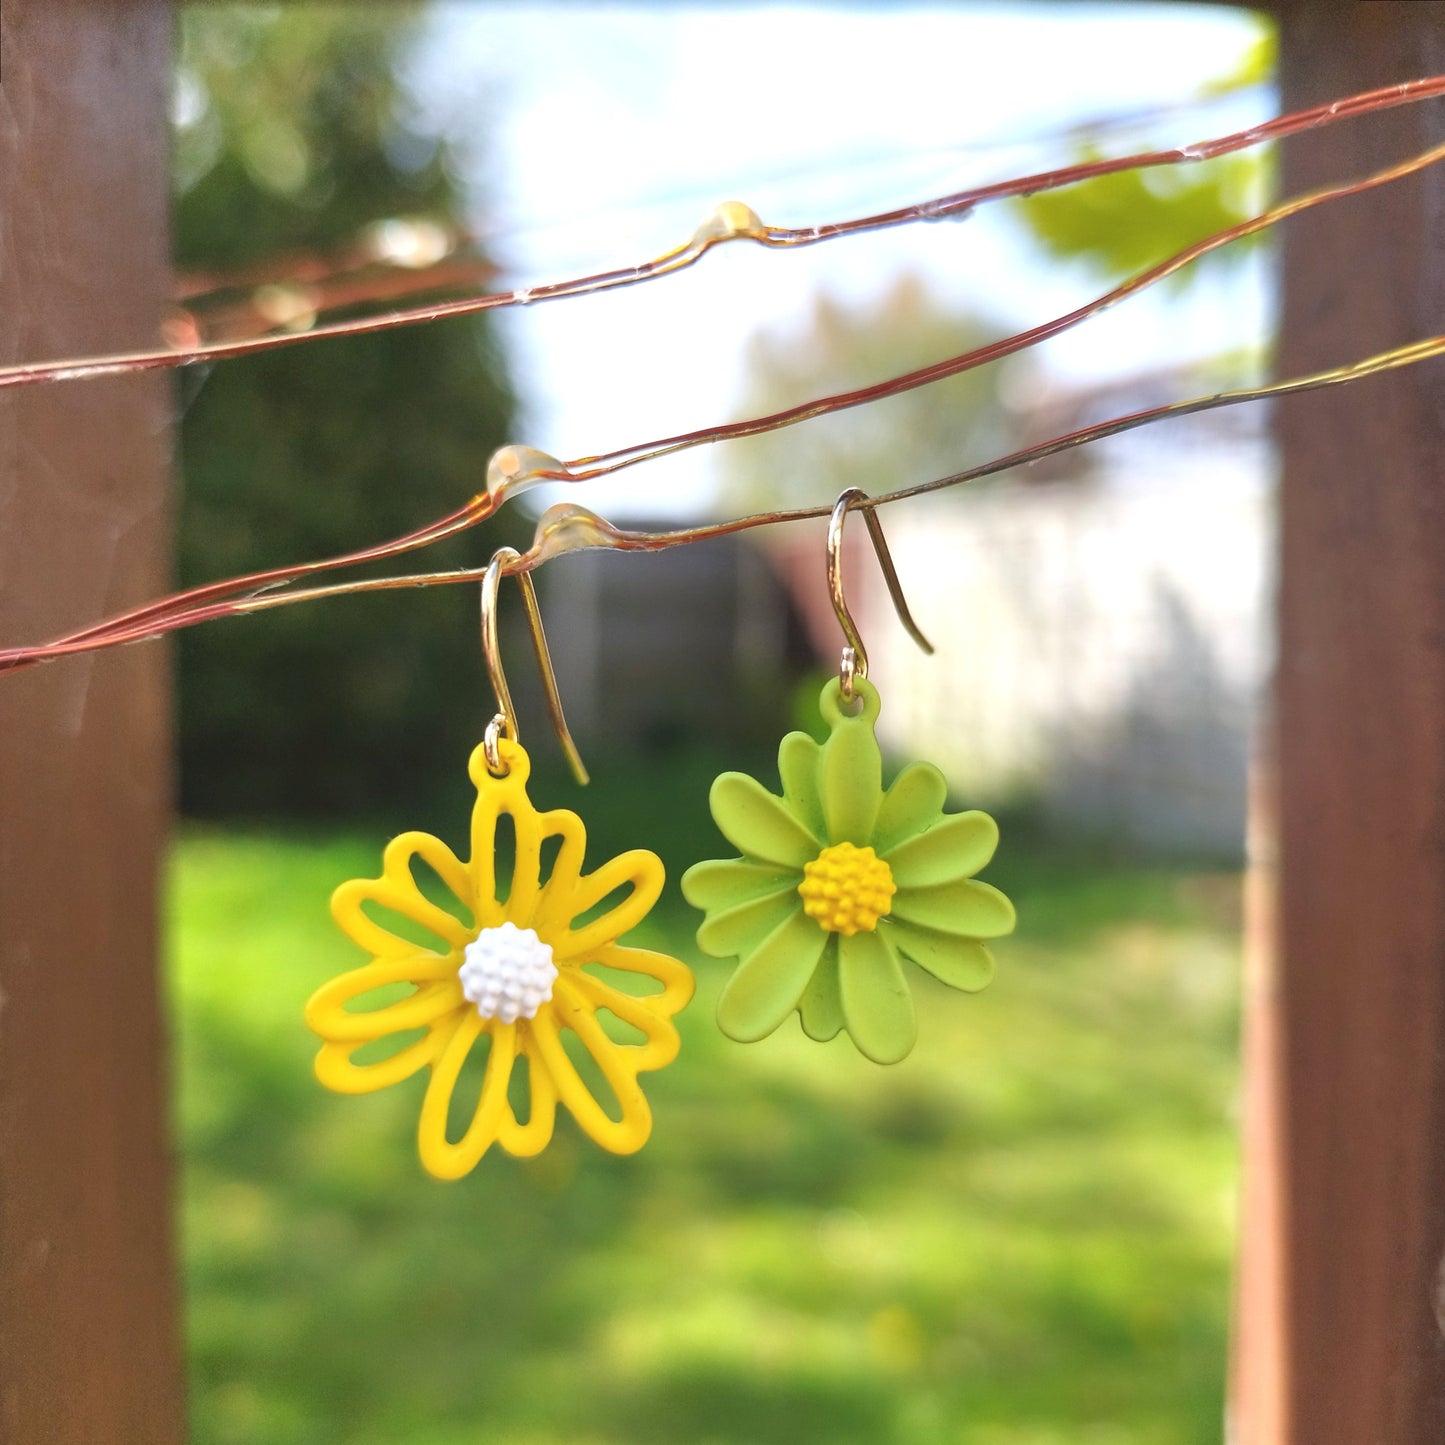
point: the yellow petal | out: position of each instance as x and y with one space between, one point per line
622 1136
638 871
662 1038
525 1140
437 993
529 901
439 1155
567 866
675 976
397 865
335 1070
508 796
400 896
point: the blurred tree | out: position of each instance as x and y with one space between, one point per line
294 133
1115 225
928 432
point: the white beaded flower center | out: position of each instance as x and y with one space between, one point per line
508 973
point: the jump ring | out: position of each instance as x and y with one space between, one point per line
499 727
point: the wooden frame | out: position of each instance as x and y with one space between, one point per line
1341 1328
1340 1335
89 1345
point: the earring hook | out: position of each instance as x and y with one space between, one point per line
855 657
504 724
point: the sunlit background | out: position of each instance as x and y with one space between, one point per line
1021 1235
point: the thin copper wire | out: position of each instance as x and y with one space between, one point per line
950 207
855 655
620 540
215 599
617 539
588 468
208 296
254 591
504 724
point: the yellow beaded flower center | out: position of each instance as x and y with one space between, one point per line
847 889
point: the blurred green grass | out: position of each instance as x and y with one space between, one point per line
1020 1236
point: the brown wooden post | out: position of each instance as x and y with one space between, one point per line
89 1348
1341 1332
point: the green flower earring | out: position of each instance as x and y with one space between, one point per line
840 880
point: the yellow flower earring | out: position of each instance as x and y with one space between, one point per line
840 881
510 961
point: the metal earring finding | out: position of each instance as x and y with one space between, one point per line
842 880
504 724
514 935
854 664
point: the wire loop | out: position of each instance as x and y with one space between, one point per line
498 728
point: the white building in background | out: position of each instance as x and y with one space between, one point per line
1102 648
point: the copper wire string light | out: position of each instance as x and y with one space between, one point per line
735 221
568 527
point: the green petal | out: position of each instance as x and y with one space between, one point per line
740 929
759 824
800 761
912 804
962 963
852 780
876 1002
725 882
821 1006
767 984
955 847
966 908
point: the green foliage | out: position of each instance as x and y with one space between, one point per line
1122 223
1021 1235
293 134
294 131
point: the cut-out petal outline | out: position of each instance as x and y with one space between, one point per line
530 1051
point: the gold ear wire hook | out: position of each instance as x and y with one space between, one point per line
855 658
505 722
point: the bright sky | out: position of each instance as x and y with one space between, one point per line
605 133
